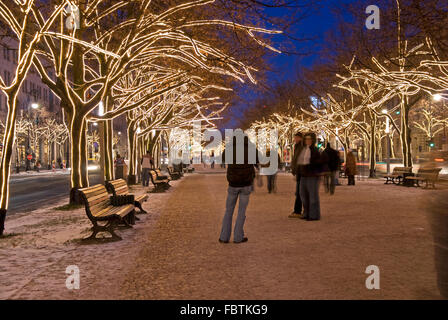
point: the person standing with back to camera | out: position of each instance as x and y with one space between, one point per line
351 169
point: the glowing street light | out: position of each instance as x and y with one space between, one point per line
101 109
437 97
34 105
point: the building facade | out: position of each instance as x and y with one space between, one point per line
36 103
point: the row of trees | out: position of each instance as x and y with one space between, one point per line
161 64
33 132
394 77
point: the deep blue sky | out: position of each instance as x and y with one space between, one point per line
319 21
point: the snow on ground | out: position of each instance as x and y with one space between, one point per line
42 240
173 252
41 172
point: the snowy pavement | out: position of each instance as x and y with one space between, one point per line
173 252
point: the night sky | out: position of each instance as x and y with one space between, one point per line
318 22
320 19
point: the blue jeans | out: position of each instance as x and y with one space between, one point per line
232 196
309 193
330 181
145 177
298 202
271 182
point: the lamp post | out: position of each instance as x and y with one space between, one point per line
337 139
438 98
102 141
33 106
387 130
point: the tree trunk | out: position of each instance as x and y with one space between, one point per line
392 146
78 158
373 149
132 147
5 164
108 152
380 148
406 136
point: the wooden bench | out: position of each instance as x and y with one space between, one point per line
160 185
119 188
99 208
178 169
173 174
427 175
187 168
397 175
161 176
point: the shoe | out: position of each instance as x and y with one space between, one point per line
303 217
222 241
294 215
244 240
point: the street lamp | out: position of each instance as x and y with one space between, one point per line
34 106
387 130
101 109
437 97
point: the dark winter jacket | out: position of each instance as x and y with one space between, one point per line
333 161
314 168
351 168
297 149
240 175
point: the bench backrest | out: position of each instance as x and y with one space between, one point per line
117 187
402 170
153 176
96 199
158 172
429 173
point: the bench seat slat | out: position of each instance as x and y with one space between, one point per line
111 210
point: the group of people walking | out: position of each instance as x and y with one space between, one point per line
308 165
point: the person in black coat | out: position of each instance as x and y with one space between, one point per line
310 169
332 162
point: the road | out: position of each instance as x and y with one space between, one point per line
28 193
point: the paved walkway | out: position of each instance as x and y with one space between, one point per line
287 259
174 253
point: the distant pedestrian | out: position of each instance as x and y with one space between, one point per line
298 146
147 164
351 169
333 163
118 159
240 178
310 168
270 173
38 165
